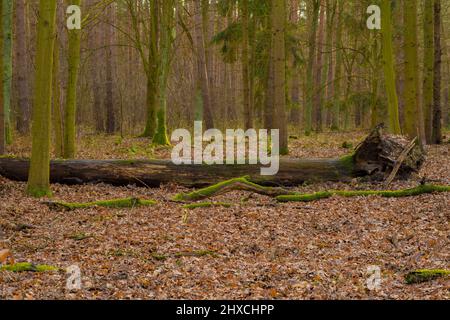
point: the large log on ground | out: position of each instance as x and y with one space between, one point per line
375 157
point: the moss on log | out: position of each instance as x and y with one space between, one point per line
423 275
26 266
422 189
115 203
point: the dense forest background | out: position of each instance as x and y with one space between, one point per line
333 62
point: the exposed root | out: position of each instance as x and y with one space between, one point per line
419 276
116 203
422 189
230 185
283 195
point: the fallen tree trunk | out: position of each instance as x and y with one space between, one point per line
375 157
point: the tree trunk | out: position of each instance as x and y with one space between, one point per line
411 69
2 106
97 108
109 99
7 65
73 61
23 110
428 66
318 66
39 173
436 137
161 137
338 69
202 70
278 17
57 122
388 67
152 71
313 20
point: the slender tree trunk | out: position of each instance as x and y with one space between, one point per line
58 128
411 69
388 67
7 65
73 61
39 173
152 73
202 70
269 90
23 110
248 112
161 137
318 69
2 106
338 69
94 41
109 101
313 20
327 74
428 66
437 109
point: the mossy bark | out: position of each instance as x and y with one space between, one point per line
411 67
166 40
313 13
39 173
116 203
388 67
335 110
152 70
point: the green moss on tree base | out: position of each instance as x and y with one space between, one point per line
348 161
419 276
116 203
26 266
39 192
422 189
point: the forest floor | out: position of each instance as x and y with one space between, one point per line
255 249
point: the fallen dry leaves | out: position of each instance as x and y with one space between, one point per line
262 249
